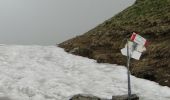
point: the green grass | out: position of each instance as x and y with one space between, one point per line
145 16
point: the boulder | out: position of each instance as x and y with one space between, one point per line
85 97
125 97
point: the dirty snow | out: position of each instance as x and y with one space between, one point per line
49 73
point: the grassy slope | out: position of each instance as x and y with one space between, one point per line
149 17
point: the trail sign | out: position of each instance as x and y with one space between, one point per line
138 39
136 46
133 49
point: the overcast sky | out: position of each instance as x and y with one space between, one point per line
47 22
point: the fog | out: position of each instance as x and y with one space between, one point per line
48 22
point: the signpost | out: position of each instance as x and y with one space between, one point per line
133 49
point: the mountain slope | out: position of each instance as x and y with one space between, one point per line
151 18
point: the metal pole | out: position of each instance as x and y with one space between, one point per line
128 71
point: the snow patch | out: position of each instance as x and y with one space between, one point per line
49 73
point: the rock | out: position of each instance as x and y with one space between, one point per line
82 51
83 97
74 50
125 97
102 58
86 97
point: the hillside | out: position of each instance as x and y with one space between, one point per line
151 18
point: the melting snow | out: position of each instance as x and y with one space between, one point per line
49 73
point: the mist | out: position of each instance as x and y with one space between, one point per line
49 22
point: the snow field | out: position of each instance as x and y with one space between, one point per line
49 73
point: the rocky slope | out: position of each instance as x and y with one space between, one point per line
151 18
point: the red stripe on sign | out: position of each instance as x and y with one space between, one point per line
133 37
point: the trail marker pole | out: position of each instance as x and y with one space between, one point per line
128 71
129 54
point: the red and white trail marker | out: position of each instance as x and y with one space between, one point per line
138 39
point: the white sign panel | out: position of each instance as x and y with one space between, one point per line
140 48
134 54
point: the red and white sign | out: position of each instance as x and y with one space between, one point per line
138 39
136 46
